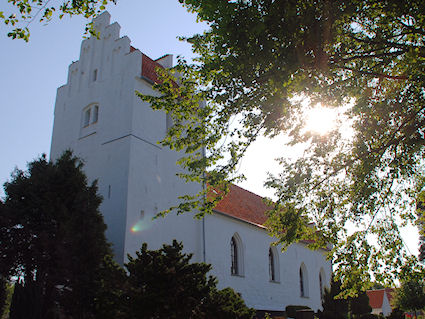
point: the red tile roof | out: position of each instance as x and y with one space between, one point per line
376 297
247 206
149 66
243 204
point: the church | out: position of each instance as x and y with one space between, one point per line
99 117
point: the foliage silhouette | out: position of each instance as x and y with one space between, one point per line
52 236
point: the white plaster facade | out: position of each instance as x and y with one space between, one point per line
99 117
386 306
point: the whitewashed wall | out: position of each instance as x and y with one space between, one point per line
254 284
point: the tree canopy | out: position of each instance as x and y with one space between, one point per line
257 64
410 296
52 237
336 307
21 13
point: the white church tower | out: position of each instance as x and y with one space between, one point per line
99 117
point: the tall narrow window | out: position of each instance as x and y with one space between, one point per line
94 75
302 283
87 113
272 271
322 282
321 286
90 115
234 256
273 264
95 113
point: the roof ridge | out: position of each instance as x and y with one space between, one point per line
379 289
248 191
163 56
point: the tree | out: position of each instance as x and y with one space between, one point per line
410 296
422 248
397 313
23 12
27 302
164 284
334 306
52 236
256 64
420 208
3 295
226 304
111 295
359 305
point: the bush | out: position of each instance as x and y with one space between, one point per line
369 316
3 294
397 313
327 314
291 310
164 284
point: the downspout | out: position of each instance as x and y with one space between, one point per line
203 218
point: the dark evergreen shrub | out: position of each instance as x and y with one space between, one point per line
291 310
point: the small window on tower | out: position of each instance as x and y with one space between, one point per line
94 75
95 114
87 113
90 115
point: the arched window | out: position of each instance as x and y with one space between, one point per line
236 255
95 116
94 78
303 281
322 282
90 115
321 286
273 264
87 113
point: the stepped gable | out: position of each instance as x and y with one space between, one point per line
244 205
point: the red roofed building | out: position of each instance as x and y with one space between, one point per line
380 300
99 117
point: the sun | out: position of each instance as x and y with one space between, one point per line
320 120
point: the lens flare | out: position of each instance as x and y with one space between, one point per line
139 226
